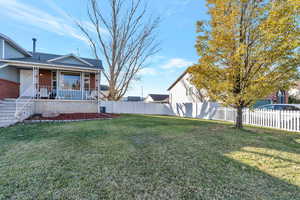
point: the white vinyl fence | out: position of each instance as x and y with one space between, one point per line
284 120
123 107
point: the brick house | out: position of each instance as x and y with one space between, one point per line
54 81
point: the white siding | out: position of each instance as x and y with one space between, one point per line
148 99
11 52
179 92
10 74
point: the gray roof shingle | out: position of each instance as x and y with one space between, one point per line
44 57
159 97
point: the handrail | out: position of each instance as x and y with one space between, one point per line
24 104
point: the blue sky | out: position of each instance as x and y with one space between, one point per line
50 22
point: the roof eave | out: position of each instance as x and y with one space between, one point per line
13 62
15 45
70 55
178 79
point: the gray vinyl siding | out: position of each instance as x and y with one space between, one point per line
11 52
70 61
10 74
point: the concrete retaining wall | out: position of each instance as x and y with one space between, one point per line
65 106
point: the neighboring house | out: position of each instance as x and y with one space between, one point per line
43 76
104 91
133 98
182 91
295 91
157 98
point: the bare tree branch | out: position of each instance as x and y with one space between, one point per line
129 40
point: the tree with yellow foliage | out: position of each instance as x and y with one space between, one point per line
248 49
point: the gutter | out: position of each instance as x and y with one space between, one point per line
51 66
2 66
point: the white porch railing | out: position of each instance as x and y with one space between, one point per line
48 92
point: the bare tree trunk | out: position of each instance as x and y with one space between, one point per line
239 118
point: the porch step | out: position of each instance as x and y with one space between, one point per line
9 116
7 112
9 100
7 123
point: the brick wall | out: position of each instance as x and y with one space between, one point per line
9 89
93 81
45 78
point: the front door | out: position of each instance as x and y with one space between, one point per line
26 83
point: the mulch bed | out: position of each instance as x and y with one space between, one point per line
75 116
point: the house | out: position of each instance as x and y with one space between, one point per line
104 91
133 98
47 82
182 91
187 101
157 98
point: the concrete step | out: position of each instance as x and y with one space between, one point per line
7 108
8 120
6 124
7 111
7 117
8 104
9 100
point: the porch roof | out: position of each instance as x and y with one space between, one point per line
43 59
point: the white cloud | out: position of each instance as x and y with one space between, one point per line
148 71
176 7
60 24
176 63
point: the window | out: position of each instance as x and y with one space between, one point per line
70 81
87 81
189 91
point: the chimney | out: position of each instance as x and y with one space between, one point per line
34 45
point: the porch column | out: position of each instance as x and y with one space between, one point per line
57 83
35 76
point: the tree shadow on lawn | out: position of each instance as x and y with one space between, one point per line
162 158
211 163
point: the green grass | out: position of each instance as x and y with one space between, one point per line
148 157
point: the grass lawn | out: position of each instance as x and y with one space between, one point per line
148 157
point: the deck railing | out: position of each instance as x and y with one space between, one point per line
49 92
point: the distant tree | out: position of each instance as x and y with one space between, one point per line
124 35
248 49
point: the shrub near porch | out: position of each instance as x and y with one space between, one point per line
148 157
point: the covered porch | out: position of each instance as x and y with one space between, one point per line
59 84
